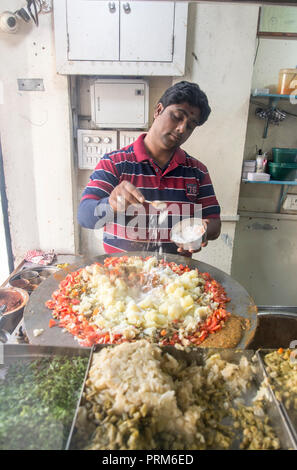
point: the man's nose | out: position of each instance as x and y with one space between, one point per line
181 127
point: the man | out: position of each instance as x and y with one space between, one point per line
153 168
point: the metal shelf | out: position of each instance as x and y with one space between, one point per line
289 183
283 191
273 101
273 95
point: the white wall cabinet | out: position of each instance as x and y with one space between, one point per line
96 37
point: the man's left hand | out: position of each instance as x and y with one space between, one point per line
212 231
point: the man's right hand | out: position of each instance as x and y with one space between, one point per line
124 195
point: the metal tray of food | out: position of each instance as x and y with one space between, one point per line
39 388
284 397
277 422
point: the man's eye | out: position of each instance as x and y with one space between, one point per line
176 117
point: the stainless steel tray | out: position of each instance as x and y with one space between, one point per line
277 419
13 353
290 416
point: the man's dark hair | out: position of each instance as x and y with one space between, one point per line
186 92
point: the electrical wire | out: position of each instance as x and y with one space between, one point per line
256 53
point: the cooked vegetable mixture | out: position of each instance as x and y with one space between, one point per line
136 397
129 298
38 400
281 367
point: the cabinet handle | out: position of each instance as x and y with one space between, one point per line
112 7
127 8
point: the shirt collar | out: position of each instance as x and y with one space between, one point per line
141 153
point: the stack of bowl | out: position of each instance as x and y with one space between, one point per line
284 165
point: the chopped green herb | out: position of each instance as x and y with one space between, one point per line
38 401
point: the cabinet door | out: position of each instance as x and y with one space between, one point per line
119 105
146 31
93 30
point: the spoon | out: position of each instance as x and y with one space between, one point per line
157 204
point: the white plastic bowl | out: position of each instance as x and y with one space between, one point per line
188 234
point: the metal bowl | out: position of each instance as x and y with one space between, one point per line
8 319
29 279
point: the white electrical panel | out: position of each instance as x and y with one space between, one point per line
290 203
120 104
92 145
128 137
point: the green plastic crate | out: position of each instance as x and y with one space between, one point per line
283 171
284 155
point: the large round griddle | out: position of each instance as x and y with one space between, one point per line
37 315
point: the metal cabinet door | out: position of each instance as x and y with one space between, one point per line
146 31
118 104
93 30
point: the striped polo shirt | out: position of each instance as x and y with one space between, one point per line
184 184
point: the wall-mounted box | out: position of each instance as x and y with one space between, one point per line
96 37
128 137
119 103
290 203
92 145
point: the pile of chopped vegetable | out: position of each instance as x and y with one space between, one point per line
38 400
138 398
281 366
129 298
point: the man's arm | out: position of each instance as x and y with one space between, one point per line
94 204
89 212
213 229
105 195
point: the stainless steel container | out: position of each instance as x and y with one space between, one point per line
277 327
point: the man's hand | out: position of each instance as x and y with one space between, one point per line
212 231
124 195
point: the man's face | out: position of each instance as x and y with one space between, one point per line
174 124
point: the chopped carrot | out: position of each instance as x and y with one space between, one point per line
163 332
280 350
52 323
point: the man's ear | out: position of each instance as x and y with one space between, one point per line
158 110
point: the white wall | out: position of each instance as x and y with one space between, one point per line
36 141
273 55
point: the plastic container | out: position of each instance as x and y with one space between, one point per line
258 177
284 155
285 85
283 171
188 234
